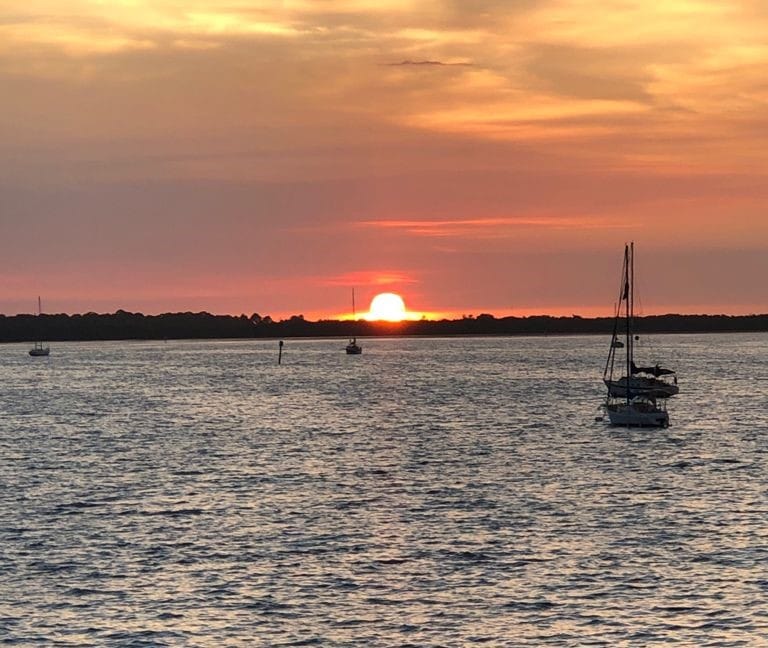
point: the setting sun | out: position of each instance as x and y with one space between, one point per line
388 307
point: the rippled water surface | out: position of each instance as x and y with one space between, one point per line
430 492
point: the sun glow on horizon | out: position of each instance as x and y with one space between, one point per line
387 307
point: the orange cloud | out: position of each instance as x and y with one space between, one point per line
370 278
482 227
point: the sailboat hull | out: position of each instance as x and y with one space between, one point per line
634 415
40 352
353 349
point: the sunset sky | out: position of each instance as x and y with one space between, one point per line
471 156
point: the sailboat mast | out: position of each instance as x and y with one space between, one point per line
354 315
628 264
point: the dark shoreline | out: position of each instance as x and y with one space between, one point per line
123 325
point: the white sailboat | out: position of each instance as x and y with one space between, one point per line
652 382
632 400
353 348
37 348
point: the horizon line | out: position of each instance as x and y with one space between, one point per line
415 317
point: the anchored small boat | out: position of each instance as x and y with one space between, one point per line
37 348
635 399
353 348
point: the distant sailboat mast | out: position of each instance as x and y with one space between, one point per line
353 348
37 348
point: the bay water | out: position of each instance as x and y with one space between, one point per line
429 492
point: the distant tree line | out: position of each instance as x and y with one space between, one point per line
124 325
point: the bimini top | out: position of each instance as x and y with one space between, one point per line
656 370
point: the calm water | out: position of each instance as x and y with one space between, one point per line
431 492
